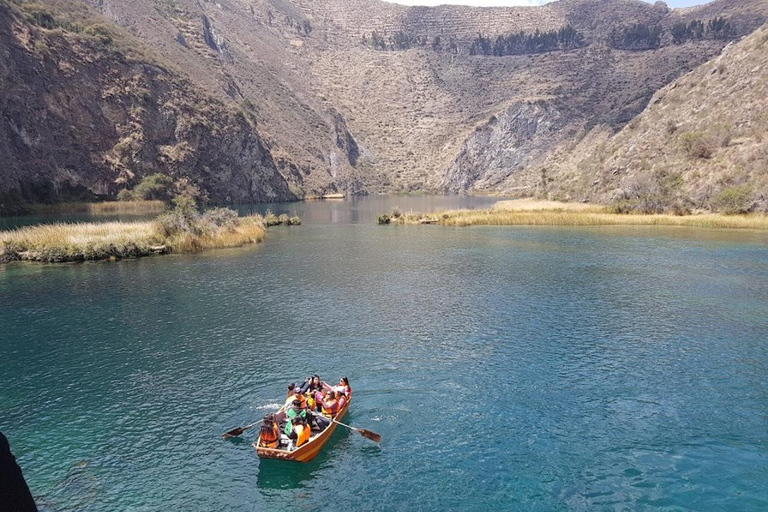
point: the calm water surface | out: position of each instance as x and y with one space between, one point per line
524 368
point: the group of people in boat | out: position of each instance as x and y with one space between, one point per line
309 408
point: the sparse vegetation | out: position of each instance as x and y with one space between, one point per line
43 17
182 229
100 32
101 208
270 219
152 187
639 36
716 28
566 38
519 43
400 40
735 200
721 28
662 192
594 216
697 144
682 32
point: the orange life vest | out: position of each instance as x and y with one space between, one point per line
302 434
331 409
291 398
269 437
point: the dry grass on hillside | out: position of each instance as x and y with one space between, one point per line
700 142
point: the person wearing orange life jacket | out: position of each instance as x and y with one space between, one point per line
269 437
299 433
297 395
329 404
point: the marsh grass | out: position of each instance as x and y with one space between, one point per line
587 217
248 230
102 208
530 204
54 243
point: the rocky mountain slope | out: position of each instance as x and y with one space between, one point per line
84 113
364 96
702 142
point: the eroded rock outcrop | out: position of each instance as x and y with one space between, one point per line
80 117
504 145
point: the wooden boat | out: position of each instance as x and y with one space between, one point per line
307 451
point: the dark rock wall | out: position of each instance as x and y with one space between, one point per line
79 118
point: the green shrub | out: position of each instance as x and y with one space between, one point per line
383 219
183 218
154 186
270 219
671 127
623 206
697 145
125 195
735 200
99 32
294 221
40 16
143 95
221 217
283 219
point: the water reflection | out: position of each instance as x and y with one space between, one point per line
353 210
365 209
280 475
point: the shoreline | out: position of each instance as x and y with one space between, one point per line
98 208
550 213
62 243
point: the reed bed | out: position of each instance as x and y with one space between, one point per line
249 230
54 243
102 208
530 204
500 217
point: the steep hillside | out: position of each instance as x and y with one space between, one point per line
701 143
365 96
444 119
85 113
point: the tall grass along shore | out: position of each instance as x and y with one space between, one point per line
105 207
550 213
180 230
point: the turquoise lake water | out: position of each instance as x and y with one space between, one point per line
539 369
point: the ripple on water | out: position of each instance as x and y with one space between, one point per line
511 369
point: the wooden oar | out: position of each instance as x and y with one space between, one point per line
239 430
368 434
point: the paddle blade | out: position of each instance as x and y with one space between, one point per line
232 433
373 436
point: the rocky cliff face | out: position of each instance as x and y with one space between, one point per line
504 145
80 118
268 96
